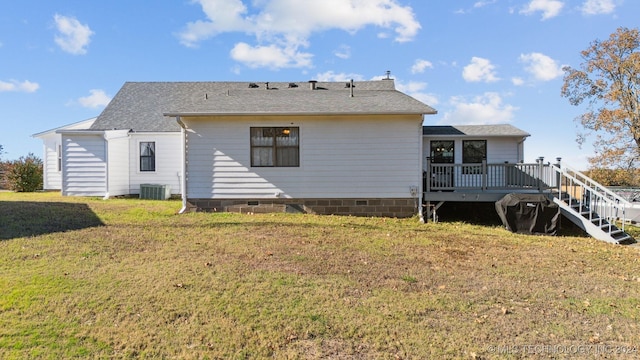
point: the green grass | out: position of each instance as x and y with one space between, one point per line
125 278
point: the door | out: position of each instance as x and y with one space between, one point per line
442 154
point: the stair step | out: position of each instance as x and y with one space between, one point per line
626 240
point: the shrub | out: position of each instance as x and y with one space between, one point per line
24 174
4 168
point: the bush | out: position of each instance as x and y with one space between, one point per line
4 168
24 174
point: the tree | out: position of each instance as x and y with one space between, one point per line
25 174
609 83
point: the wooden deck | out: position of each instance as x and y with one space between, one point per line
591 206
485 182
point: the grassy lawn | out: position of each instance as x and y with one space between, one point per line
125 278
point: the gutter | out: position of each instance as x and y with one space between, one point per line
278 113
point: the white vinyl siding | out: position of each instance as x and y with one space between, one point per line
499 149
340 157
168 148
84 165
118 157
52 176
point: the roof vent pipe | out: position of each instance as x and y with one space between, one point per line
312 84
351 88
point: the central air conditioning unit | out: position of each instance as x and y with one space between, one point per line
155 191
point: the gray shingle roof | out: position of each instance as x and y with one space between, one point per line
142 106
504 130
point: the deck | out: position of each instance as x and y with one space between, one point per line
485 182
591 206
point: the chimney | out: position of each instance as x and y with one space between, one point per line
312 84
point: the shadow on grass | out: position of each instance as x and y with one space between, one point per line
27 218
485 214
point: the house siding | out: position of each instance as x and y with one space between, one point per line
341 158
118 155
499 150
52 177
168 161
84 165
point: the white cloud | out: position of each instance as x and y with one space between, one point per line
479 70
549 8
289 24
343 52
517 81
73 37
17 86
332 76
271 56
419 66
222 16
479 4
97 98
482 110
596 7
416 90
541 66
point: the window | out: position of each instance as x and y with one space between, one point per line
442 152
59 157
148 156
275 146
474 151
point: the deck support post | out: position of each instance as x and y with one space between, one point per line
432 211
559 176
540 162
427 176
484 174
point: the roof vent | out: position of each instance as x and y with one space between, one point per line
253 85
388 73
312 84
293 85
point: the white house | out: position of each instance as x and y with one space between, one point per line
52 153
322 147
318 147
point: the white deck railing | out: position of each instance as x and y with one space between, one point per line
592 200
589 199
487 177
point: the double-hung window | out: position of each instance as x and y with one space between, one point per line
147 156
59 157
473 152
275 146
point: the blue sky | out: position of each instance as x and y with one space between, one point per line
476 62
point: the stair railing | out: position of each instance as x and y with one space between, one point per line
591 198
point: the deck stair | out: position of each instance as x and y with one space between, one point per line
591 206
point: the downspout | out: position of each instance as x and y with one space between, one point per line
421 183
106 165
520 150
183 178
